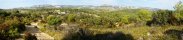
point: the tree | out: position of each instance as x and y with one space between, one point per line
144 15
179 10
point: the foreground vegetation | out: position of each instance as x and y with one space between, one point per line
95 24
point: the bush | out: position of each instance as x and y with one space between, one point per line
174 34
10 31
71 17
4 13
53 20
83 34
162 17
144 15
11 28
3 34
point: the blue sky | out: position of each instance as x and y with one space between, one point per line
162 4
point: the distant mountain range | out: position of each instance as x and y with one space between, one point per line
110 7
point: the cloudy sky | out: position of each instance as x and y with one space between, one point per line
162 4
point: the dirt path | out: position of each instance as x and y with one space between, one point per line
40 35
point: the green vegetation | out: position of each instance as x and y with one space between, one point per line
94 24
11 29
52 20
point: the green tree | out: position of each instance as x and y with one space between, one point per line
144 15
179 10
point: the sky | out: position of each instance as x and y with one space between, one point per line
162 4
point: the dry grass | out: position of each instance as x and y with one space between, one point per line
140 32
143 32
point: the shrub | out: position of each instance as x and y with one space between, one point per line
83 34
4 13
11 28
162 17
144 15
174 34
53 20
10 31
71 17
